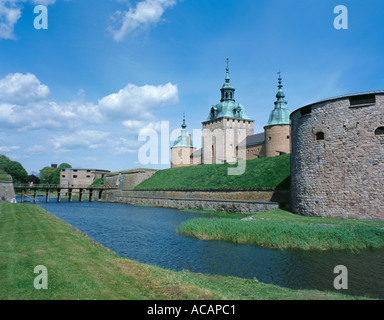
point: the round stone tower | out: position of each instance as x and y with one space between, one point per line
337 162
182 149
278 129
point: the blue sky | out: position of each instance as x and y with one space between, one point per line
105 70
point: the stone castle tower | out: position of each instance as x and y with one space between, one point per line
182 149
228 133
226 127
278 130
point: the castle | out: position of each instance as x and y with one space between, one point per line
228 133
336 147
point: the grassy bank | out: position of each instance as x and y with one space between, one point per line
260 173
281 229
79 268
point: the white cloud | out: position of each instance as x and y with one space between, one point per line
146 13
8 149
48 115
138 101
81 139
20 88
123 146
36 149
10 13
24 105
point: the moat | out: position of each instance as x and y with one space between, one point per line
148 235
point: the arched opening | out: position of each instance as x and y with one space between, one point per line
319 136
226 95
379 131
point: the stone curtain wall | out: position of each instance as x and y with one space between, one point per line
246 202
235 206
337 163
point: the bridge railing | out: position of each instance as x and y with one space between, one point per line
61 186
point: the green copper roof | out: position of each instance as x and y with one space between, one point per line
227 107
280 114
183 139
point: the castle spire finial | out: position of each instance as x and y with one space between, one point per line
184 126
227 70
280 94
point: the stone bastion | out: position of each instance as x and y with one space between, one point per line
337 161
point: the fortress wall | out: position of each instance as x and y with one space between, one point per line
246 202
337 162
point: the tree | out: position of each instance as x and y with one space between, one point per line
46 175
14 168
56 175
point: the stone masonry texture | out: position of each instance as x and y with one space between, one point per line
337 164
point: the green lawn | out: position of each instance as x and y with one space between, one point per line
281 229
79 268
263 173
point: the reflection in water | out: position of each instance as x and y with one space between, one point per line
148 235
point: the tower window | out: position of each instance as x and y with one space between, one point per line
306 110
319 136
362 101
379 131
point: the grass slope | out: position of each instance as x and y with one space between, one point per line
79 268
281 229
263 173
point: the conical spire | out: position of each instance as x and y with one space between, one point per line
184 139
280 114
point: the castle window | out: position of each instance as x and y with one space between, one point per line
287 137
306 110
319 136
74 176
379 131
362 101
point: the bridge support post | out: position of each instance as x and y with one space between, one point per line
80 195
34 195
90 195
22 195
58 194
47 195
69 195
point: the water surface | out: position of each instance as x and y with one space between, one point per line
148 235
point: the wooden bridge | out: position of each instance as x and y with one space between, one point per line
31 191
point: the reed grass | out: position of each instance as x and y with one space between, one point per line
286 234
